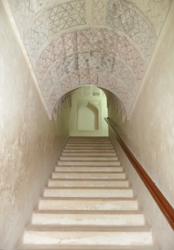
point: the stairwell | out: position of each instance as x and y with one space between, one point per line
88 203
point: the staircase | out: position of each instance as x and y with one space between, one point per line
88 203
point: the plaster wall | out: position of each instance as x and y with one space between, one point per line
89 107
30 142
149 133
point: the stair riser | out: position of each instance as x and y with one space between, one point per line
81 150
89 158
89 151
85 247
90 154
88 169
89 163
98 144
108 205
88 203
89 148
108 193
88 219
89 145
90 238
89 175
58 183
87 139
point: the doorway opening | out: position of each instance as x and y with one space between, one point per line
88 109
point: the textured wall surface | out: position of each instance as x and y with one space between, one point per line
30 143
150 134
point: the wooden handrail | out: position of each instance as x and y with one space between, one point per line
161 201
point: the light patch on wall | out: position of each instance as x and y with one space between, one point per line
88 112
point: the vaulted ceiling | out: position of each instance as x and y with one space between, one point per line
107 43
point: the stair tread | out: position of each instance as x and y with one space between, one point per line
88 141
87 163
89 166
129 212
92 188
80 218
89 154
91 148
81 161
91 198
87 151
84 228
92 172
107 144
88 158
66 179
84 247
96 144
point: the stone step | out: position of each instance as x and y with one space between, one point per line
89 139
87 142
91 147
88 169
107 204
89 154
87 183
84 247
88 235
88 158
88 203
89 150
86 218
88 175
93 138
89 163
88 192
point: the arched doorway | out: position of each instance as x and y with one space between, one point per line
89 107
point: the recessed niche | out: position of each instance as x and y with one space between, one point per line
88 117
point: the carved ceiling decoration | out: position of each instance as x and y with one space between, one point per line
107 43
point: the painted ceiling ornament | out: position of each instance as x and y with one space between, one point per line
107 43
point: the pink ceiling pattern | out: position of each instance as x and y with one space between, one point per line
123 17
90 40
119 16
66 51
98 12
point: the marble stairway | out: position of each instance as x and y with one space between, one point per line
88 203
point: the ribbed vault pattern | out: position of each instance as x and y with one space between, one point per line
91 40
107 43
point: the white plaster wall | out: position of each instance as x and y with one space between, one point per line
149 133
81 97
29 142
